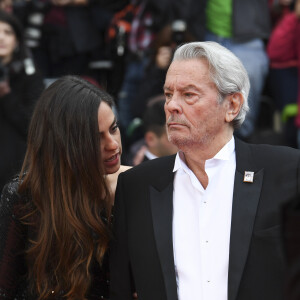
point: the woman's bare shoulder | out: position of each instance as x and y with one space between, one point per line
112 179
123 169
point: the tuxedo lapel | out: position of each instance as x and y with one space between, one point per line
162 215
245 201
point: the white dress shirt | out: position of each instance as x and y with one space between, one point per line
201 226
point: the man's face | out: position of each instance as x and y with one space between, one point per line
194 116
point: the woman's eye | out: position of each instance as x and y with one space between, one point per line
115 127
9 32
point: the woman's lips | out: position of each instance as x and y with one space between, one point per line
113 160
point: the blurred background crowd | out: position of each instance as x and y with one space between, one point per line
125 47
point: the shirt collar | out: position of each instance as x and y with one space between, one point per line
149 155
223 154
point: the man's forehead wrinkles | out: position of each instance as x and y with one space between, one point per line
180 86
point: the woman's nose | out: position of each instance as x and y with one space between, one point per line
110 143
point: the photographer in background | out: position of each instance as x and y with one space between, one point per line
20 87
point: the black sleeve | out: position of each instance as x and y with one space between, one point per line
12 243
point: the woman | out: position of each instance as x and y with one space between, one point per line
53 219
20 87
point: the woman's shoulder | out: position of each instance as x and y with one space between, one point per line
10 198
113 178
123 169
10 191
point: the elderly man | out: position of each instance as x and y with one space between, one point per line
205 223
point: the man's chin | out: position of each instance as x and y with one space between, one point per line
178 141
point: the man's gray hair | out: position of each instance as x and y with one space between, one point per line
226 71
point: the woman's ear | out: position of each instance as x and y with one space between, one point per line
234 104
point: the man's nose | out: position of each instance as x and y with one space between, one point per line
174 104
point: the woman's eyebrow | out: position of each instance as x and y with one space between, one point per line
114 121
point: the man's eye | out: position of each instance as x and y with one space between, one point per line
168 96
188 95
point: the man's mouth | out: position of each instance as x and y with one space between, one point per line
171 124
172 121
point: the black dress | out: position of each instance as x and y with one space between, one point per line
14 236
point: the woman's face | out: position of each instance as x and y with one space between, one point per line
8 42
110 139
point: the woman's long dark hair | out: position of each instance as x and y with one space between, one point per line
63 175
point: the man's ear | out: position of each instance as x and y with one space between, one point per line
234 103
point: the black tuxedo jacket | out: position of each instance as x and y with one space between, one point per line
142 248
291 243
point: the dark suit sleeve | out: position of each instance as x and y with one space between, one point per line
298 175
120 274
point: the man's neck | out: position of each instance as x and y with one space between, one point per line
195 158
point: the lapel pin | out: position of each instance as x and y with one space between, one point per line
249 176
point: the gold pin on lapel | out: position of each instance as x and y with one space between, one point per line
249 176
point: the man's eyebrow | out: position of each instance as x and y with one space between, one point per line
188 87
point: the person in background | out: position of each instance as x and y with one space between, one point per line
204 223
6 5
139 40
20 87
242 26
63 34
54 218
284 53
155 134
162 50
